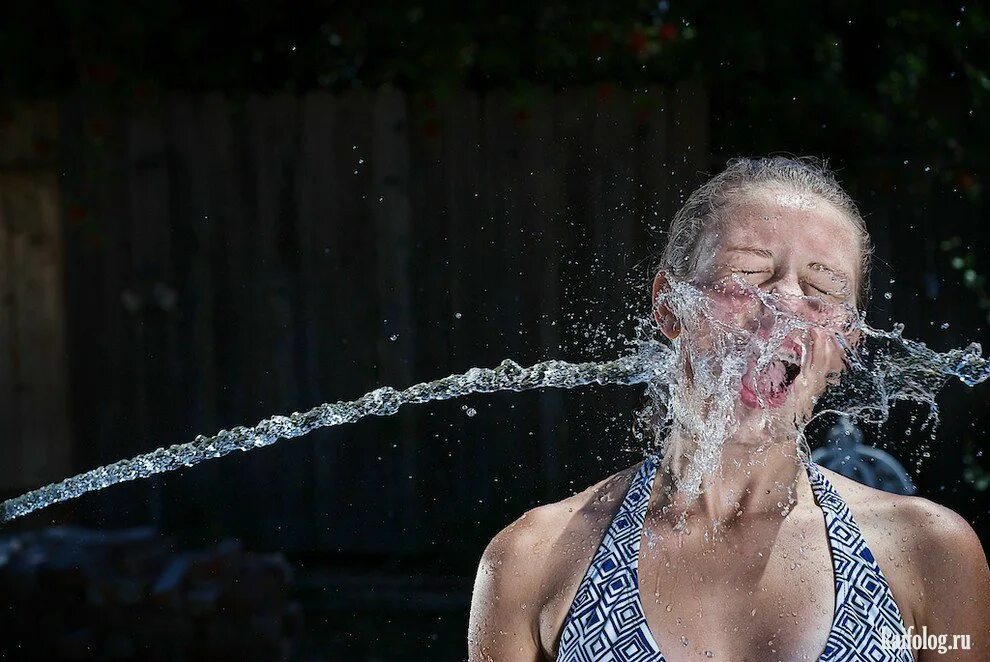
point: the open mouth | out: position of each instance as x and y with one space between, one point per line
772 384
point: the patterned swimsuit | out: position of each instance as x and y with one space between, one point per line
606 621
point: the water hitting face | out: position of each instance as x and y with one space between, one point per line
761 330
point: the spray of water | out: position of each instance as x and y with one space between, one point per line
692 386
385 401
740 340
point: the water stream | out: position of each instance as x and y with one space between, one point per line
881 370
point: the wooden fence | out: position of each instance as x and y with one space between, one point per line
34 425
226 260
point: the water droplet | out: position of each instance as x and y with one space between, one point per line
887 295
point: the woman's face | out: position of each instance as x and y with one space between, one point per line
781 274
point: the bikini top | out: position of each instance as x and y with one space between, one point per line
606 621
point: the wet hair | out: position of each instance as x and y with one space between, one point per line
742 176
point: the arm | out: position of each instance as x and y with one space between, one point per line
956 582
504 621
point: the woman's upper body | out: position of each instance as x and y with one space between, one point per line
751 595
758 295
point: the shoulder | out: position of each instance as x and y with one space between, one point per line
531 567
529 545
920 521
929 549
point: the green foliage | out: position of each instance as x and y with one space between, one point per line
975 474
963 259
852 80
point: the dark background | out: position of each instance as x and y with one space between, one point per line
217 212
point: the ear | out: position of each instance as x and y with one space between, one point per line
664 316
855 334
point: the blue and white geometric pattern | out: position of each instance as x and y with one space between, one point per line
606 621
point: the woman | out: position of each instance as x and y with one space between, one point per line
752 552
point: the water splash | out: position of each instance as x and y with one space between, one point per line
386 401
881 369
737 338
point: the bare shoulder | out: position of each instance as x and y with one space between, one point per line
529 567
926 551
919 520
543 537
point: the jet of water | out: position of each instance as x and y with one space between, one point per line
891 369
508 376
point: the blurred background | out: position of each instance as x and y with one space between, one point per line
214 212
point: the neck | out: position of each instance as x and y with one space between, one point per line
754 474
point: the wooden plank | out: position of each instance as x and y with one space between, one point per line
40 386
10 429
429 289
513 263
612 210
229 495
652 174
154 361
390 211
33 368
28 137
273 126
91 368
320 268
114 391
688 139
574 122
467 208
356 512
548 218
194 231
195 223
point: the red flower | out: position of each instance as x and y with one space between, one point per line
41 146
521 116
431 127
638 41
75 213
600 43
142 92
668 32
96 128
965 180
99 74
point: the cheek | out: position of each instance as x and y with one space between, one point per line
738 310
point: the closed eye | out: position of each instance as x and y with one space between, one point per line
838 295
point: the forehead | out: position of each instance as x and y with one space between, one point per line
803 226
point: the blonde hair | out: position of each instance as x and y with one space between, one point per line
742 176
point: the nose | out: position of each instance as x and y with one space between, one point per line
787 287
788 298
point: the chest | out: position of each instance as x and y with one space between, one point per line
763 591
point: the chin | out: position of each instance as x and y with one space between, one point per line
751 400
